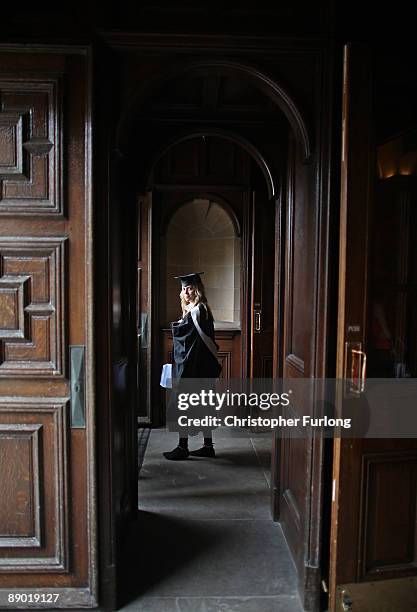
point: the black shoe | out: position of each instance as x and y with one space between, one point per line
177 454
204 451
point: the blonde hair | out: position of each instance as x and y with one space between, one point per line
200 297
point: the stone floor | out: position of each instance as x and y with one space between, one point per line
205 541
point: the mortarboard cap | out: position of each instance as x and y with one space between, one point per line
190 279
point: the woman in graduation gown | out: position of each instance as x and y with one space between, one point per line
194 356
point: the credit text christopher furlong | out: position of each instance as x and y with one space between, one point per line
263 401
234 421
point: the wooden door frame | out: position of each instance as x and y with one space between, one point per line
320 54
246 252
151 191
358 192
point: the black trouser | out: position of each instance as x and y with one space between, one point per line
208 440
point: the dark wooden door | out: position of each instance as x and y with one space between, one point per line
47 458
373 543
262 286
297 458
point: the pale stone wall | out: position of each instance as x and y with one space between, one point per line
201 237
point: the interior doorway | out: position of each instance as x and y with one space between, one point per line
257 120
208 210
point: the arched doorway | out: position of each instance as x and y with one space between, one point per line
214 215
245 107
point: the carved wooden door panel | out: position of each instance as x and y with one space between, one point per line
47 510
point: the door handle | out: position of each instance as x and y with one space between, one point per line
257 320
355 368
361 355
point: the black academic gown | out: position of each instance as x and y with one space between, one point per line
191 359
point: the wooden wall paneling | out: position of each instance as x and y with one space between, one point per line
229 355
203 160
267 366
230 352
382 536
185 161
